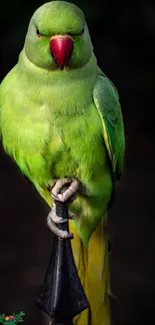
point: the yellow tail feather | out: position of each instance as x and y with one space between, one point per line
92 265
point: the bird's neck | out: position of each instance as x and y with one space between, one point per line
56 76
67 92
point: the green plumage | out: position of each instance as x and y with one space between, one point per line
63 123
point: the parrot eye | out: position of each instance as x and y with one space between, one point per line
38 32
82 32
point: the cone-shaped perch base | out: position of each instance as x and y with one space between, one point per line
62 296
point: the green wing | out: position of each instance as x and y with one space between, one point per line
106 100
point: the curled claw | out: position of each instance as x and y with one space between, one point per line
61 193
53 220
56 219
58 232
69 193
51 184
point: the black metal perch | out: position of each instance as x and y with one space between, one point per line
62 296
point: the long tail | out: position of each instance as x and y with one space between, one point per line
92 265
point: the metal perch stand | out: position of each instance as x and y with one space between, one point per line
62 296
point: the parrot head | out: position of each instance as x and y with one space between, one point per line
58 37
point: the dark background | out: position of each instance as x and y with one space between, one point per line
123 34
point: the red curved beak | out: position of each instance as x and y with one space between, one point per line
61 47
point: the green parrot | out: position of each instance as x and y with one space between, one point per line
61 122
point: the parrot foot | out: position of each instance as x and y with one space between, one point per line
68 194
53 220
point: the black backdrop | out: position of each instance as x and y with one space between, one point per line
123 36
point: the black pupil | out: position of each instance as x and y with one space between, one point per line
82 30
38 33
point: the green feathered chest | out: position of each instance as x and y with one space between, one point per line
52 130
49 145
